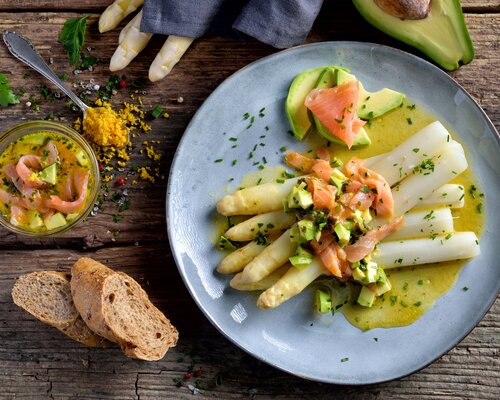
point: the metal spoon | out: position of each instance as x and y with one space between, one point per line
21 48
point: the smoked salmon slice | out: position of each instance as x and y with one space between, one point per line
365 244
336 109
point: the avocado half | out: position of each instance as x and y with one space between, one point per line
442 35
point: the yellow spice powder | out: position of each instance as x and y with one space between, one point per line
105 127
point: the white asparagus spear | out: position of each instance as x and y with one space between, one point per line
236 261
116 12
424 224
456 246
256 199
449 195
270 222
372 160
263 284
169 55
447 166
270 259
423 145
290 284
131 42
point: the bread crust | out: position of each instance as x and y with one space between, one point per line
74 326
87 281
91 287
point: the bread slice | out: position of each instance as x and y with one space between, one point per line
47 296
115 306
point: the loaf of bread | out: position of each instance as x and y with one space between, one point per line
47 296
115 306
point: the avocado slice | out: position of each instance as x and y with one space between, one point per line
55 221
328 79
442 35
49 174
296 111
372 105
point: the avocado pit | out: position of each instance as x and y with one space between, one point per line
406 9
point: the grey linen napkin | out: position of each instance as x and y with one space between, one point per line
279 23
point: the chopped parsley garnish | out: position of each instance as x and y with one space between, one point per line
411 107
156 112
429 216
219 160
409 121
345 359
425 167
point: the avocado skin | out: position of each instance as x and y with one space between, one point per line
410 31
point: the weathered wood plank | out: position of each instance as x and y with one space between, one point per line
202 68
37 361
35 358
468 5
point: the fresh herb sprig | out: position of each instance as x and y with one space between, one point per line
73 37
7 96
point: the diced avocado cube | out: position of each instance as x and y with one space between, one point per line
382 277
307 229
349 225
322 301
300 261
35 222
49 174
383 287
371 272
55 221
366 297
295 236
72 216
36 139
300 197
82 159
338 179
343 234
305 199
358 275
301 258
362 218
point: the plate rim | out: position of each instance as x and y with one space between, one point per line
486 306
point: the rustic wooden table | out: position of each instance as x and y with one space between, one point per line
37 361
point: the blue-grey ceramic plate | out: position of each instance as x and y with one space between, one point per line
284 337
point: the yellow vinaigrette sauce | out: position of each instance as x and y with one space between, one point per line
71 160
414 288
417 287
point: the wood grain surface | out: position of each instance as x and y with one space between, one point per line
37 361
